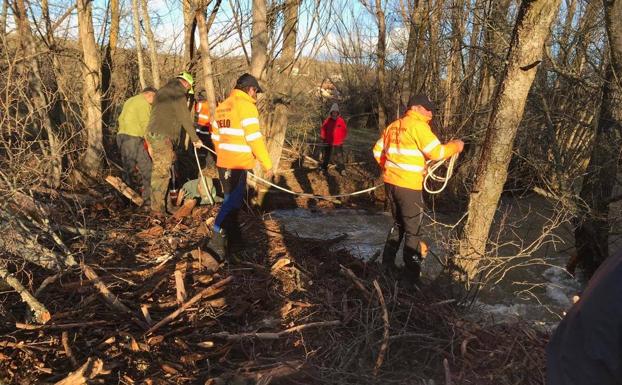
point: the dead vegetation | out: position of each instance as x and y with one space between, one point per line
143 304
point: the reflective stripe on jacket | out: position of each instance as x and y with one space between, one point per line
403 148
237 139
201 117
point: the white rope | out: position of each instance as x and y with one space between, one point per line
300 194
432 167
205 188
431 174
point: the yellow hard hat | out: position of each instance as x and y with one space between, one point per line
187 77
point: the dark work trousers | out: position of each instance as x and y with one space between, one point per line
407 210
136 164
333 154
234 189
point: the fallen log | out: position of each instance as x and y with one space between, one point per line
42 314
124 189
209 291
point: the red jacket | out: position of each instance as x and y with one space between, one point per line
334 131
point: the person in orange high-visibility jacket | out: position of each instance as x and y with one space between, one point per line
401 152
203 128
239 143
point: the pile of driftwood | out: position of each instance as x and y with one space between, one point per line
100 293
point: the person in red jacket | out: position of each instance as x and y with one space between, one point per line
333 132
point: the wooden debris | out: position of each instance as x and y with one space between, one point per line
124 189
89 370
206 260
180 288
385 336
67 347
357 282
42 314
185 209
60 326
113 301
207 292
274 336
280 263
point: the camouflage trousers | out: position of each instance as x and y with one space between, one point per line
136 164
163 155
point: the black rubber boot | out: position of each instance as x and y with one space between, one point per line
391 246
217 246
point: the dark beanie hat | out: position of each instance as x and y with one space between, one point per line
248 80
423 101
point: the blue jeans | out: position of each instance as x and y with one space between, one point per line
234 188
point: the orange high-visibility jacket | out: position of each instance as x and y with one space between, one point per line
403 148
237 139
201 116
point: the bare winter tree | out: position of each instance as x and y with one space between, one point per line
40 101
592 233
530 32
153 49
91 89
138 42
206 57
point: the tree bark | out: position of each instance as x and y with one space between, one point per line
91 89
108 64
413 48
592 232
259 40
138 43
39 98
381 52
526 47
42 314
206 57
452 82
290 33
153 50
189 28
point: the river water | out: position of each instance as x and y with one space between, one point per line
538 292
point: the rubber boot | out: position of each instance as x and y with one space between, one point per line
217 246
391 247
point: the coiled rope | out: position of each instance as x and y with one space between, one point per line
432 167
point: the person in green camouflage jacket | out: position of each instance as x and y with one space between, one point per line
168 115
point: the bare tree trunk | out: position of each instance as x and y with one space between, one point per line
381 52
494 36
434 11
190 24
139 44
452 82
153 51
526 47
91 89
413 48
108 64
206 58
39 97
290 33
592 233
259 40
